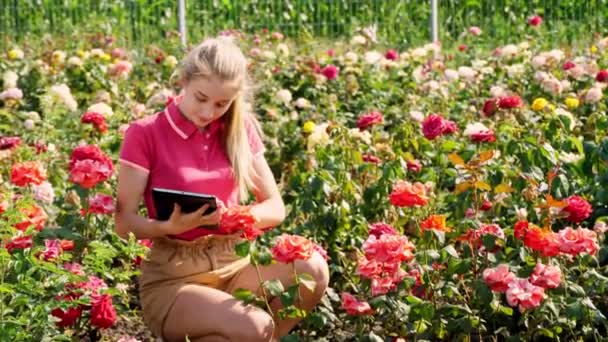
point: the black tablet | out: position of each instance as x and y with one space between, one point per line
188 201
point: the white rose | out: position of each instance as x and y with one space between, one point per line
284 96
10 79
101 108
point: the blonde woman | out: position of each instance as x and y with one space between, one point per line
205 141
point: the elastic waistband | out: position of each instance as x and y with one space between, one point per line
198 242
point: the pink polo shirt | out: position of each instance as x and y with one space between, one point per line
177 155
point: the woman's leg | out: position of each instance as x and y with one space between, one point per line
316 266
203 313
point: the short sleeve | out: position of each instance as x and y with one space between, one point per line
135 149
255 140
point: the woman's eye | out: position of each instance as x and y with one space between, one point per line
220 105
202 101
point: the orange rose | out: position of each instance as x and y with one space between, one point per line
289 248
23 174
436 222
406 194
36 216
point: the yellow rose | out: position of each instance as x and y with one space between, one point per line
539 104
572 102
15 54
593 49
308 127
106 57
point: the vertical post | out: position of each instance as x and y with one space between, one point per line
434 22
181 14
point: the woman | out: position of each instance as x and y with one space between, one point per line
204 141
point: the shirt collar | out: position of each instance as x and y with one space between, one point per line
184 127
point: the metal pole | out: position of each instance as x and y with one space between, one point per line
181 13
434 22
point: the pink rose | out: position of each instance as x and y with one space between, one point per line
578 209
330 72
498 278
525 294
546 276
576 241
354 307
432 126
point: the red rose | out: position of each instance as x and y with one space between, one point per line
370 158
484 136
23 174
68 318
568 65
67 245
432 126
103 314
369 119
392 55
89 166
289 248
462 47
602 76
510 102
578 209
22 242
520 229
486 205
535 21
330 72
7 143
414 165
97 119
489 108
239 219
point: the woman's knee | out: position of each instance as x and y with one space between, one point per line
256 326
316 267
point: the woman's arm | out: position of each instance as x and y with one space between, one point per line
131 185
269 209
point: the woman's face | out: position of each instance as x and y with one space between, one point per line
207 98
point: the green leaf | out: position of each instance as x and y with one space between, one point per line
5 288
603 150
489 241
308 281
575 311
243 249
290 338
577 289
243 294
484 294
289 297
371 337
264 258
506 310
275 287
451 251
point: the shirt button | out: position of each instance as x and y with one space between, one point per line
205 147
207 135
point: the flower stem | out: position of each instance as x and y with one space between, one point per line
297 281
264 295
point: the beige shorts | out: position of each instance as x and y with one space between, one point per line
172 264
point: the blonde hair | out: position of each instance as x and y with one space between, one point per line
221 58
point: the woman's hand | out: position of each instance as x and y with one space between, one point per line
180 222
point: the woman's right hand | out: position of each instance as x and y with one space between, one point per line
180 222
